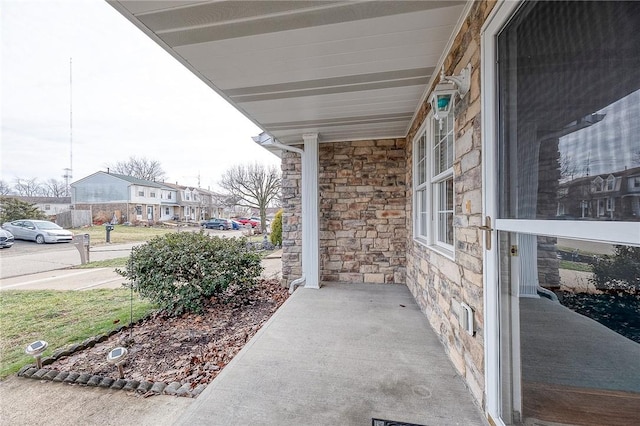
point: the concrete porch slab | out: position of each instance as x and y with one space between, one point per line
341 355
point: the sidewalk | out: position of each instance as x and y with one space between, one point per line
30 402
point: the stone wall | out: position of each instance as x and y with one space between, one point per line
292 210
362 211
438 282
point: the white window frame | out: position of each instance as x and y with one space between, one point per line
421 192
611 183
426 215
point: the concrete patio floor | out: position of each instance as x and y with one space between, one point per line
341 355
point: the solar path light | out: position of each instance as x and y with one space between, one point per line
36 349
116 356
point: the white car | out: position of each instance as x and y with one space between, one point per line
40 231
6 239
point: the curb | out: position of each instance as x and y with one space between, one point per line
29 371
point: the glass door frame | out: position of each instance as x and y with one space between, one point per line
627 233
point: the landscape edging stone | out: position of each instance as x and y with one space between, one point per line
30 371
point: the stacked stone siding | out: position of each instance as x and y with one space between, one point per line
440 284
292 211
362 212
363 225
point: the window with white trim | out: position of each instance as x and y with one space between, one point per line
433 184
421 186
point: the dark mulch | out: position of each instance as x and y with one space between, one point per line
189 349
619 312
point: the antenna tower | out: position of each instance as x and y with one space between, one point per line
68 172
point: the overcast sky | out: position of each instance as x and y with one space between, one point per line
129 98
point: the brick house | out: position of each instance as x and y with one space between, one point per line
422 145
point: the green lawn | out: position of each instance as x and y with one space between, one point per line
575 266
61 318
119 262
121 233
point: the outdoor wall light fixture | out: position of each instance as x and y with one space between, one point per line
36 349
443 95
116 356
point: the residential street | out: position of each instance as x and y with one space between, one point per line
26 257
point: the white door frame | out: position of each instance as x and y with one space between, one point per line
627 233
495 22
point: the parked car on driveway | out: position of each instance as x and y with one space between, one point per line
6 238
40 231
246 221
220 224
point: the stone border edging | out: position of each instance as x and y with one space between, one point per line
93 380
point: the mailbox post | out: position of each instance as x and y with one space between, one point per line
108 227
81 242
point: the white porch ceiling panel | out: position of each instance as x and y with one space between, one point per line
349 70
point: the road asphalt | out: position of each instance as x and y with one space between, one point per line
34 402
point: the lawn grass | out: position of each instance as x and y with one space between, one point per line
60 318
575 266
118 262
121 233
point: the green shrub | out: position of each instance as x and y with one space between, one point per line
619 273
276 229
180 271
13 209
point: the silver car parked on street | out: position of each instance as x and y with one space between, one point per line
40 231
6 239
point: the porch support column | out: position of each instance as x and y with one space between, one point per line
310 212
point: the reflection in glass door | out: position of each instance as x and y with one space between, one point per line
572 354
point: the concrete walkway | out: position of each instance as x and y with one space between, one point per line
341 355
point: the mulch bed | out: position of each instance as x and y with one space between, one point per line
619 312
192 348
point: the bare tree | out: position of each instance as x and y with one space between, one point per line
254 186
568 168
55 188
141 168
28 187
5 189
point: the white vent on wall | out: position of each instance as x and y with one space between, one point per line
466 318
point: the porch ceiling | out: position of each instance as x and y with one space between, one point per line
345 70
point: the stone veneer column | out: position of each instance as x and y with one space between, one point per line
291 223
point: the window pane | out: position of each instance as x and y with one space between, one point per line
445 211
570 102
421 161
422 215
